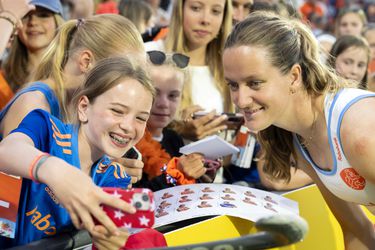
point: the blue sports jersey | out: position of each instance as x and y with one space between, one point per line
40 214
36 86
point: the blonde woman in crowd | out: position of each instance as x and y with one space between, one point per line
199 31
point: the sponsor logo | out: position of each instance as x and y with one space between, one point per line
41 223
353 179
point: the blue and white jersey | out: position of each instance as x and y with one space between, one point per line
343 180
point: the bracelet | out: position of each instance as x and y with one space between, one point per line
33 164
14 23
38 165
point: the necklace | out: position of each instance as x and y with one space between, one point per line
306 142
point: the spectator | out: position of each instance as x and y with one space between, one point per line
350 56
38 29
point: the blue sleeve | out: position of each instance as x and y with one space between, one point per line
107 173
36 125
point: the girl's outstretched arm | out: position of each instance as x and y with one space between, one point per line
73 188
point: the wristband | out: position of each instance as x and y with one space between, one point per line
38 165
33 164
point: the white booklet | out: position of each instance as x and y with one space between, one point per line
212 147
198 200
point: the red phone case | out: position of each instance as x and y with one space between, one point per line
142 199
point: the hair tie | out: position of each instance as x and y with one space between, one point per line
80 21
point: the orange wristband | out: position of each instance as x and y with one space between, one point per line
175 173
33 164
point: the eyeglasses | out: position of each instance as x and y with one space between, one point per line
158 58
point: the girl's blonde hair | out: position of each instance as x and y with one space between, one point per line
288 42
16 65
108 73
104 35
176 41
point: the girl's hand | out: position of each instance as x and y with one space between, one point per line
76 191
110 242
192 165
132 167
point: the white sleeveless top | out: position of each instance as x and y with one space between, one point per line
343 181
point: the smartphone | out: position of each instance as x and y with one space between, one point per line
142 199
234 121
133 153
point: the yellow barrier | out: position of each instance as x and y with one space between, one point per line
324 231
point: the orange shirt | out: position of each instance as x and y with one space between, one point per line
6 92
107 7
307 9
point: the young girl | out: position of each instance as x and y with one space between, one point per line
75 50
350 21
160 143
38 29
304 111
350 56
112 109
200 29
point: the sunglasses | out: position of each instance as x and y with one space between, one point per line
159 57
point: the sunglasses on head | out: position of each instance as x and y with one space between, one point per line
159 57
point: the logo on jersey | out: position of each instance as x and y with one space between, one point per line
339 157
353 179
41 223
118 172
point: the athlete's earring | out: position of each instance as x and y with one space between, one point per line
292 90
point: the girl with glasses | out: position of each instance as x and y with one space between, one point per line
163 164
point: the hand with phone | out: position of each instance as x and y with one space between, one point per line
143 201
233 121
140 198
198 127
133 164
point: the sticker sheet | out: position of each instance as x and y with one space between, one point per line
197 200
